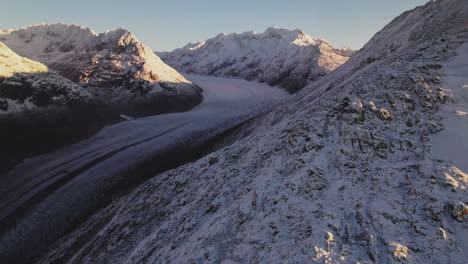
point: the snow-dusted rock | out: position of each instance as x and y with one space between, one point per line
114 66
27 84
288 58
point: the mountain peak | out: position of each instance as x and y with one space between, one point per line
120 37
283 33
260 56
192 46
117 32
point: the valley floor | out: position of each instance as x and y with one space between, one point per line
44 196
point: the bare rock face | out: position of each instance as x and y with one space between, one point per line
114 66
288 58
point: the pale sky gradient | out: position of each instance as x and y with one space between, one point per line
170 24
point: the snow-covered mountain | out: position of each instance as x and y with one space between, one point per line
343 173
288 58
27 84
114 66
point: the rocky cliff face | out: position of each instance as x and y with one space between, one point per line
341 174
114 66
288 58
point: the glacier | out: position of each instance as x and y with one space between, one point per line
44 196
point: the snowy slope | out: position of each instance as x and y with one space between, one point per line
114 66
27 84
288 58
12 63
60 187
451 144
344 173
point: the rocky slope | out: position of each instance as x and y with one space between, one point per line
27 85
114 66
343 173
290 59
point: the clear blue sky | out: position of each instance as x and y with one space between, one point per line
165 25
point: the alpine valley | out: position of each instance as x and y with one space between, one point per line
245 148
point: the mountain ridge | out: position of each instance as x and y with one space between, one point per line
114 66
288 58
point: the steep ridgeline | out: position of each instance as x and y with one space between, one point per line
27 85
343 173
114 66
290 59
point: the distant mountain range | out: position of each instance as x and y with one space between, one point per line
287 58
71 81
